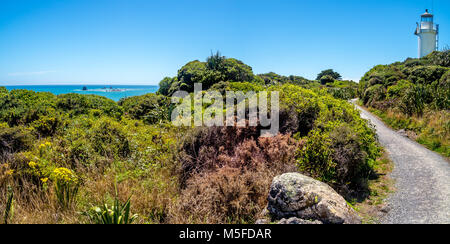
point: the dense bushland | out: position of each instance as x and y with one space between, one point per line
150 108
77 159
413 95
221 73
216 69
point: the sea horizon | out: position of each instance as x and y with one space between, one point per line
114 92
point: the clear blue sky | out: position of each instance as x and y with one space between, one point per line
140 42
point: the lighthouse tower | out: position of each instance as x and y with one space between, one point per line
427 32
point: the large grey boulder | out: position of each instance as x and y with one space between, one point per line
302 197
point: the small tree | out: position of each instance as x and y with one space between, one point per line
215 61
329 72
326 79
164 86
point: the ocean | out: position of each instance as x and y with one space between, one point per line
115 92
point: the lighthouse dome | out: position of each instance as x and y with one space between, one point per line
427 14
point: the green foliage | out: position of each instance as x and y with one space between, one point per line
100 141
384 85
326 79
398 90
3 91
316 157
117 214
373 94
354 152
346 93
236 71
109 139
216 69
77 104
215 61
442 95
272 78
150 108
164 86
245 87
439 58
425 74
22 107
344 84
15 139
339 147
196 72
9 208
329 72
47 126
413 102
410 95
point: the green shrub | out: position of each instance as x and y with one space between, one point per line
329 72
3 91
245 87
150 108
14 139
164 86
326 79
316 157
425 74
398 90
439 58
395 82
339 146
22 107
352 156
109 139
215 70
373 94
343 93
413 102
47 126
117 214
412 62
442 94
77 104
412 95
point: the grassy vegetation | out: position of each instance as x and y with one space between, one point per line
380 185
413 95
125 162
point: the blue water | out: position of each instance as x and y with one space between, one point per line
116 93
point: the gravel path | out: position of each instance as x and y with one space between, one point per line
422 178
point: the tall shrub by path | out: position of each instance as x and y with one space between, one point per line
413 95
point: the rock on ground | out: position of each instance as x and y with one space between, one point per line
297 221
301 197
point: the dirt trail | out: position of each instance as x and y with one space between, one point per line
422 178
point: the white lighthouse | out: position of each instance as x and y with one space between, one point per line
428 33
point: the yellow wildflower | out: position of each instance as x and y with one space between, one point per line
32 164
10 172
44 180
64 175
48 144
